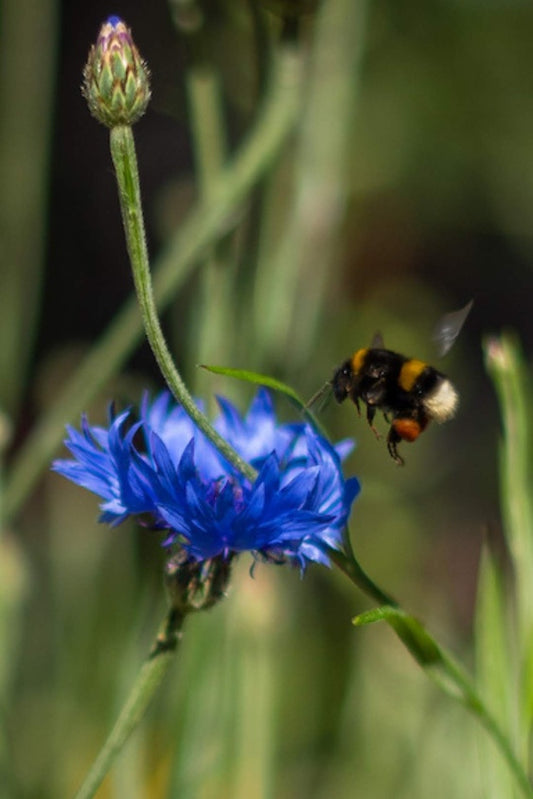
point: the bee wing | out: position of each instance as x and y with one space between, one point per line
377 341
449 327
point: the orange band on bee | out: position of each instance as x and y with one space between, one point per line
358 359
407 429
409 373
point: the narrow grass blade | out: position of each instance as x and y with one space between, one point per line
495 670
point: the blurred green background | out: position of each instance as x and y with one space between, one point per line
406 190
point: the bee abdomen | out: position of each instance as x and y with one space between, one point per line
441 402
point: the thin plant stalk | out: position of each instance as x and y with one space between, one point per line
436 661
27 83
299 251
212 323
505 365
350 566
204 226
148 681
125 163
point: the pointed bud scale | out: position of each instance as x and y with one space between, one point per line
115 79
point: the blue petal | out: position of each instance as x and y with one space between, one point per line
298 504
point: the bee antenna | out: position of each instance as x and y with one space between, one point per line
317 395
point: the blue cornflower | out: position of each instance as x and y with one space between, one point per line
165 471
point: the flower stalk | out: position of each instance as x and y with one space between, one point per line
200 230
148 681
438 664
350 566
292 513
127 173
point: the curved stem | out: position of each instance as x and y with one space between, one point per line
205 224
148 681
354 571
436 661
472 701
125 162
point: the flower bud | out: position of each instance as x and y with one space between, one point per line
115 79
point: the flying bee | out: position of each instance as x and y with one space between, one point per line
410 393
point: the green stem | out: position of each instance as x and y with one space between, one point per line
205 224
353 570
212 324
28 77
208 136
148 681
436 661
300 257
509 373
125 162
470 699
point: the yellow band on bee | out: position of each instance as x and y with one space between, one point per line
358 359
409 373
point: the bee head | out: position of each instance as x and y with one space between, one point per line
342 381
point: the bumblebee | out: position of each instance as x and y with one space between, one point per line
409 392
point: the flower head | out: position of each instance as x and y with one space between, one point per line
177 481
116 79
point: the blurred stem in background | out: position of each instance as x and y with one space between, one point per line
512 383
14 591
299 253
505 617
28 52
210 328
27 86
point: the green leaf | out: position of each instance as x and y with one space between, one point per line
450 676
419 643
259 379
436 663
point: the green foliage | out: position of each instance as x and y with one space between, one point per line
504 620
362 182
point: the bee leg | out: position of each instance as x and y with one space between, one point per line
386 417
355 400
370 414
393 439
